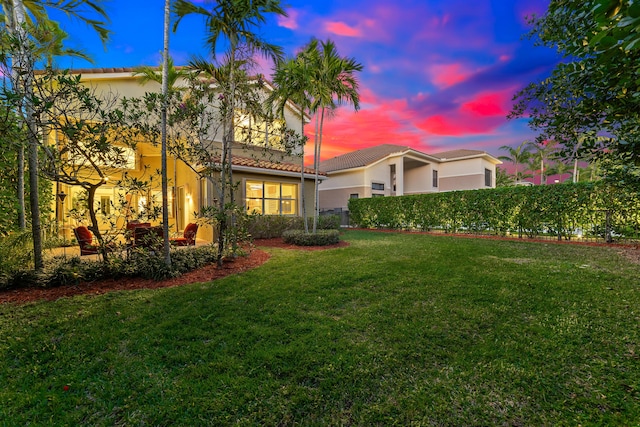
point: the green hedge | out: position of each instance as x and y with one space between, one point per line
321 238
562 210
271 226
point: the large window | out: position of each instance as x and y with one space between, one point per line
257 131
271 198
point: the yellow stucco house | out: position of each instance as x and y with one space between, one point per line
267 180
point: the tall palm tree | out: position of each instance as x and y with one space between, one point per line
21 16
163 160
335 83
517 156
293 83
234 21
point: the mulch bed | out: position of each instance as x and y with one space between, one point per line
208 273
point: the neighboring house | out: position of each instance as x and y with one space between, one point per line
267 180
393 170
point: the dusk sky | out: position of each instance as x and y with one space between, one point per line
438 74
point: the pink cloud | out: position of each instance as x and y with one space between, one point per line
481 114
291 21
386 121
459 125
341 29
446 75
492 104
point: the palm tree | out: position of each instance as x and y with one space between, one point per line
560 168
150 74
163 161
334 82
517 156
234 21
21 16
542 152
292 83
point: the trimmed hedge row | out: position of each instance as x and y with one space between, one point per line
562 210
272 226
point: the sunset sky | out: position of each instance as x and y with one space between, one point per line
438 74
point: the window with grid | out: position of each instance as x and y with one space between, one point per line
271 198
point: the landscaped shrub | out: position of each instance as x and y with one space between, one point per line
16 259
321 238
272 226
561 210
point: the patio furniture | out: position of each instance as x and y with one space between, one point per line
147 237
85 240
188 236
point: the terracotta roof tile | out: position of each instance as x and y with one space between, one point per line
270 165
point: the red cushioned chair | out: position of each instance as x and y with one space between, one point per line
189 236
85 240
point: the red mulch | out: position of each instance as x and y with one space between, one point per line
208 273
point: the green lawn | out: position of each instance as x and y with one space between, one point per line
395 329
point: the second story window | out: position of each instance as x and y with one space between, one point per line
377 186
258 131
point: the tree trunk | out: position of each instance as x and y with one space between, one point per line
304 208
165 93
94 227
24 65
316 213
22 222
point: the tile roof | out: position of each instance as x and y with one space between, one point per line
270 165
360 158
455 154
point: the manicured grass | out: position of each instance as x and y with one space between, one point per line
395 329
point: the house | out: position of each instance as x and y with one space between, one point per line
266 177
394 170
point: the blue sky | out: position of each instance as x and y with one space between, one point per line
438 75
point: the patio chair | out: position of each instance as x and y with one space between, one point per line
85 240
188 236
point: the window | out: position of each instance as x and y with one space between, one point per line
353 195
258 131
488 181
377 186
105 205
435 179
377 195
271 198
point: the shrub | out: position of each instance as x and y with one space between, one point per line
16 260
321 238
271 226
558 210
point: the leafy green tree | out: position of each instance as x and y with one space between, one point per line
20 17
236 22
590 104
84 127
518 156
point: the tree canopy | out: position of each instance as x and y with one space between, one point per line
591 102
